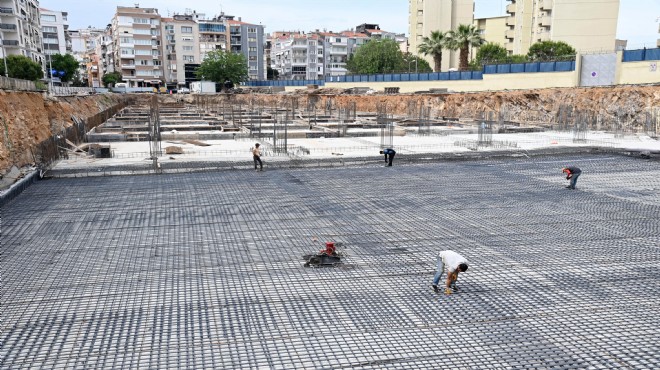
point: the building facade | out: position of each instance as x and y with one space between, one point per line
584 24
55 32
297 56
105 54
181 46
213 35
137 42
426 16
20 29
248 39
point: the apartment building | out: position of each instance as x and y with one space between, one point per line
105 54
137 42
332 54
55 32
83 48
584 24
213 34
181 47
426 16
297 56
248 39
20 29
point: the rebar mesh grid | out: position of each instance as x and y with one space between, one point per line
96 276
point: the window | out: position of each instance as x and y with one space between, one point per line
188 58
126 51
252 30
185 29
142 52
252 49
141 20
253 58
337 40
252 39
142 42
48 29
187 48
48 18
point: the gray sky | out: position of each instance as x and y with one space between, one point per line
637 18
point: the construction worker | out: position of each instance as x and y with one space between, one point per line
572 173
454 263
389 152
256 156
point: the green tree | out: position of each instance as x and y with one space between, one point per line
272 74
545 51
111 78
376 56
433 46
491 53
65 63
463 38
414 63
21 67
220 66
516 58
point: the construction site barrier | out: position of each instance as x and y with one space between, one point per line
641 55
7 83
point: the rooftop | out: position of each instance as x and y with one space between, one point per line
205 270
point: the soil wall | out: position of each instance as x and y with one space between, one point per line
29 118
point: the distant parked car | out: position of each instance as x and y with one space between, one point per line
183 90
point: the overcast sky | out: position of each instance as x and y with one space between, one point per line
637 18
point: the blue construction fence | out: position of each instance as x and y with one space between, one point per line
563 66
641 55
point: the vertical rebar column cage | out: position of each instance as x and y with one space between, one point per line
311 110
485 129
580 127
154 131
384 121
652 122
424 122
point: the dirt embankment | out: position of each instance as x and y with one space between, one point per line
539 105
27 119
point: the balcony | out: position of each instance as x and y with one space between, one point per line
544 36
10 43
546 5
128 66
8 27
510 21
510 34
511 8
509 46
545 21
4 11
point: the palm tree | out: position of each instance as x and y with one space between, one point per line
463 38
433 46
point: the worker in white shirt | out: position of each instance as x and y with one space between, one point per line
454 263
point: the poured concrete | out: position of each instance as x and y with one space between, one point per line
205 270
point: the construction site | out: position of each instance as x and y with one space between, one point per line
136 232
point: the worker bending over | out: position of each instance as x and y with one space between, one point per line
389 155
454 263
572 173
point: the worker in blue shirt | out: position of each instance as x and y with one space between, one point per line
389 155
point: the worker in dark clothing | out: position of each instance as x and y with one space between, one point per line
389 155
572 173
256 156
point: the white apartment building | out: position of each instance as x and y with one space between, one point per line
297 56
105 54
55 32
586 25
426 16
333 51
137 42
180 47
20 29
